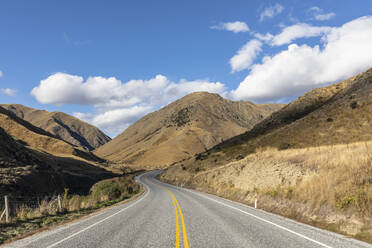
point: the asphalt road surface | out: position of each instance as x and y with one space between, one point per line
169 216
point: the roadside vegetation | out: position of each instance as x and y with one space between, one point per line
326 186
27 219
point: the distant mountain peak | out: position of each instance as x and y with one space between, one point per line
62 125
183 128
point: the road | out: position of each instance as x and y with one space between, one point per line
169 216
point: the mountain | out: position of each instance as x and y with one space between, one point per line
336 114
183 128
33 161
39 139
62 125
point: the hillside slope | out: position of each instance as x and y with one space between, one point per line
185 127
62 125
39 139
336 114
25 171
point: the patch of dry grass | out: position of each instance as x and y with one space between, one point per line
341 175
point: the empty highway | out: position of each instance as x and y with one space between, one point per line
169 216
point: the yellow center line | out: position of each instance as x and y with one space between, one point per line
177 225
185 240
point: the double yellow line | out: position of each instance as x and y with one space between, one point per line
177 205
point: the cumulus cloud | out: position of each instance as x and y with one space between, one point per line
1 73
116 120
343 52
245 56
8 91
319 14
299 30
271 11
235 27
117 103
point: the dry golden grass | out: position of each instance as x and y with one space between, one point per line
338 176
342 179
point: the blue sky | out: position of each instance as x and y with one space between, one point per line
78 56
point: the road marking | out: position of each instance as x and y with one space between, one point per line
88 227
262 219
185 240
177 244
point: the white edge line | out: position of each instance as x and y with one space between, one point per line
259 218
267 221
88 227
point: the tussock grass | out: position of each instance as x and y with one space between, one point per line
342 175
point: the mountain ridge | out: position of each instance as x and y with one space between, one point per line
35 162
62 125
186 126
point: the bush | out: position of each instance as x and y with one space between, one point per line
107 189
284 146
354 105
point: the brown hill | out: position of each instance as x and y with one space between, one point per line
185 127
62 125
28 171
39 139
337 114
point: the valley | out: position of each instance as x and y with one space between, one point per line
308 160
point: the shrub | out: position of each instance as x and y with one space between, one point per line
284 146
354 105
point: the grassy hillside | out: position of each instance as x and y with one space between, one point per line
39 139
33 161
337 114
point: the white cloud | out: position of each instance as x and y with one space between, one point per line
343 52
235 27
1 73
8 91
271 11
296 31
324 17
264 37
245 56
116 120
116 102
315 9
319 14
